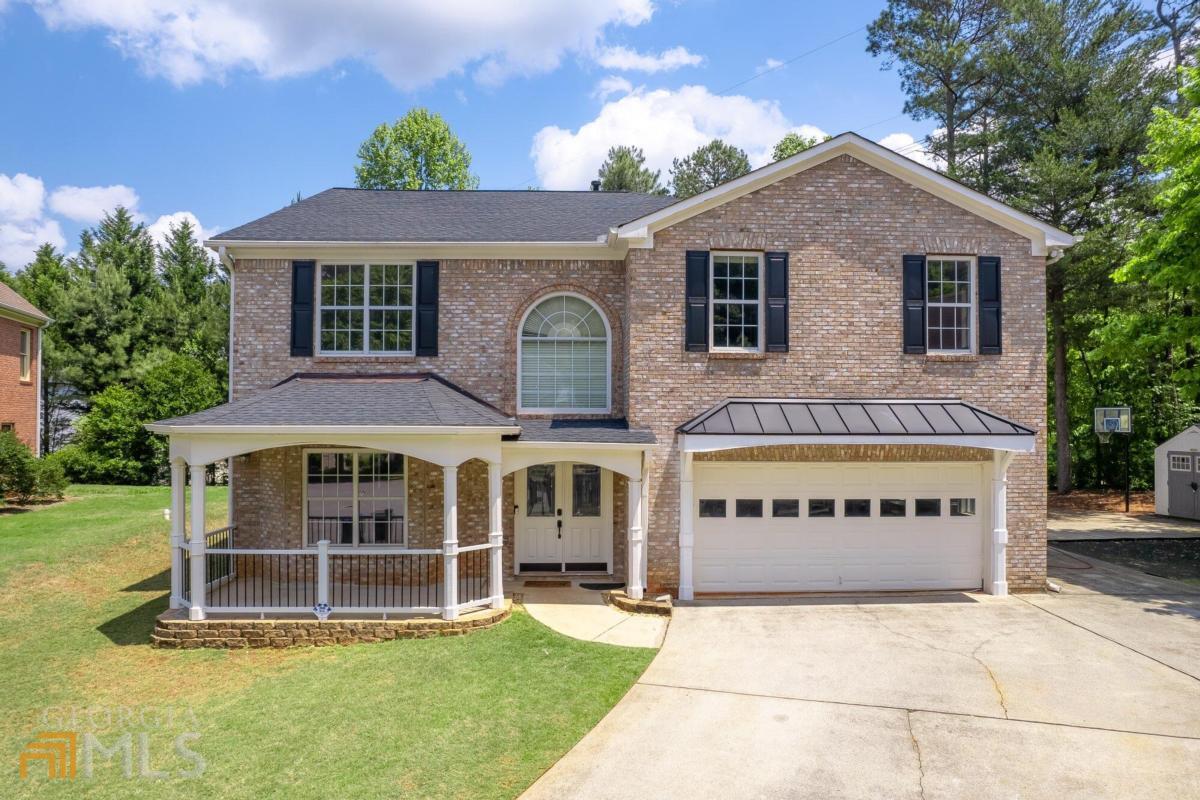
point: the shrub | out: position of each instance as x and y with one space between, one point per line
26 478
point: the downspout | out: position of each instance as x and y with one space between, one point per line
41 423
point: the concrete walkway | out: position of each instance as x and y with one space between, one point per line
583 614
1066 526
1093 693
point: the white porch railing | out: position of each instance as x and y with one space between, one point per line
366 580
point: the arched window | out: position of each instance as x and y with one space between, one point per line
564 357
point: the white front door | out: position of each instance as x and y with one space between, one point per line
564 519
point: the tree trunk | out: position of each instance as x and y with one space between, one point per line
1062 418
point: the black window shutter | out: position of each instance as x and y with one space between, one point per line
989 305
303 285
914 304
427 308
777 302
696 337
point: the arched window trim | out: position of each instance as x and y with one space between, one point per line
608 335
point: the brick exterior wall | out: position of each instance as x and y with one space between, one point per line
846 226
18 398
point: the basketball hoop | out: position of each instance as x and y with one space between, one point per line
1103 436
1116 419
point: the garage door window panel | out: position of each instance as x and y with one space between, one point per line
785 508
893 508
712 508
748 508
928 507
962 506
821 508
856 508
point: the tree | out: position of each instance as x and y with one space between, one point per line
1166 255
942 48
624 171
417 151
1078 89
112 444
1180 19
793 143
707 166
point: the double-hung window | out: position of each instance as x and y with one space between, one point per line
354 498
736 305
366 309
950 304
26 354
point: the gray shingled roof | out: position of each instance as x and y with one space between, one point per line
333 400
737 416
10 299
365 215
606 431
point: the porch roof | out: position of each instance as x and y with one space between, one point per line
745 422
583 431
416 401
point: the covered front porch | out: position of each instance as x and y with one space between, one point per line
343 519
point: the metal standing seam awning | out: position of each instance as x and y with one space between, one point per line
755 422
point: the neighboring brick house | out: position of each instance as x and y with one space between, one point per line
827 375
21 327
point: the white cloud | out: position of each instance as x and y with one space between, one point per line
19 240
623 58
89 204
610 85
666 124
768 65
21 197
23 227
906 145
161 227
411 43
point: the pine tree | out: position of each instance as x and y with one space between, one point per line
624 171
707 166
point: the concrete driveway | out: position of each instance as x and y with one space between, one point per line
1094 693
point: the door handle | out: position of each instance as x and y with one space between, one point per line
560 529
1195 486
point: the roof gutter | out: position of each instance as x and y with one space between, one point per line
350 430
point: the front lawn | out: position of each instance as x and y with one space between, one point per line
80 584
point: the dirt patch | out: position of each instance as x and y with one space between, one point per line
1101 500
1178 559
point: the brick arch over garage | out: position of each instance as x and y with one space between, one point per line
616 325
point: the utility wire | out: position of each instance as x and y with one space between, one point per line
793 60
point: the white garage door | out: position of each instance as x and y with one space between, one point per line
838 527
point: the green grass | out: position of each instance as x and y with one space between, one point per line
80 584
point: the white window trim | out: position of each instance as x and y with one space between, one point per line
523 409
972 293
25 354
761 302
366 309
354 498
1184 461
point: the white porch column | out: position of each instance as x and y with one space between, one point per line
637 542
197 545
496 532
997 559
686 534
450 542
178 529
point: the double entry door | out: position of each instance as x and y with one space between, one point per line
564 519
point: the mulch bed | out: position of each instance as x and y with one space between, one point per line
1101 500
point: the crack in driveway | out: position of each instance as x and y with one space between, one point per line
916 746
973 655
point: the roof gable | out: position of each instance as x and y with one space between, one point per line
1043 238
14 305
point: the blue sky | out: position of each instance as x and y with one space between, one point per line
224 110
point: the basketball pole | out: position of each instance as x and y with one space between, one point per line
1128 439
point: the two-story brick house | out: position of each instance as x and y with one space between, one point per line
826 375
21 325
